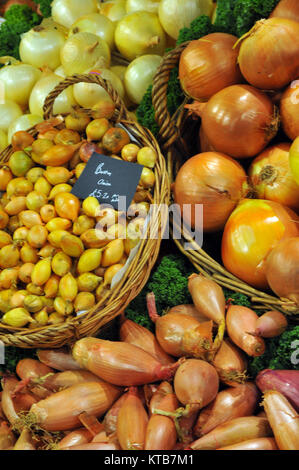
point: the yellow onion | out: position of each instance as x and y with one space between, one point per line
140 33
19 80
89 94
66 12
97 24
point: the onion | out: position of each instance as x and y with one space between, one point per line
214 180
262 443
204 144
9 112
140 33
115 10
59 359
177 14
132 422
289 110
120 363
23 123
286 9
60 72
139 75
144 5
241 327
110 420
271 324
229 404
32 369
282 269
63 103
208 65
283 420
96 24
25 441
3 140
234 431
60 411
94 446
67 379
189 310
230 363
7 438
90 94
9 385
66 12
131 332
239 138
271 178
294 160
19 80
83 51
269 53
196 383
41 47
76 438
283 381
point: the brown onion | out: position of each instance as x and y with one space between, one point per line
289 106
204 144
271 324
231 403
239 121
214 180
282 269
60 359
286 9
120 363
269 53
262 443
230 363
132 422
241 327
208 65
131 332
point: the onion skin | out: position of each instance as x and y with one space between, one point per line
94 446
32 369
76 438
265 51
230 363
208 65
7 438
271 324
214 180
229 404
190 310
25 441
283 420
282 269
284 381
110 420
263 443
196 383
8 385
132 422
60 411
286 9
241 326
208 297
239 121
233 432
68 378
132 333
120 363
59 359
289 110
161 433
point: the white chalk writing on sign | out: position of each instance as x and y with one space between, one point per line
99 170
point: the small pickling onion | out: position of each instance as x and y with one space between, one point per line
66 12
214 180
83 51
90 94
282 269
289 105
239 138
139 75
96 24
208 65
177 14
286 9
269 53
19 80
140 33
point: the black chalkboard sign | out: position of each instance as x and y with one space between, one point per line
111 181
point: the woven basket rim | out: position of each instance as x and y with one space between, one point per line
170 139
114 303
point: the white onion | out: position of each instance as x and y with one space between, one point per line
114 10
145 5
89 94
60 72
23 123
140 33
9 112
139 75
41 47
84 51
119 70
63 103
3 140
177 14
96 24
18 82
49 23
66 12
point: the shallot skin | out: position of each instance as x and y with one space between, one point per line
283 381
241 326
263 443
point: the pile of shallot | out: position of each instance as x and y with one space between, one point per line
184 387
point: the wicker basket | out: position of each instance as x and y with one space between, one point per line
173 137
115 301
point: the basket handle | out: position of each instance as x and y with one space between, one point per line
168 132
120 108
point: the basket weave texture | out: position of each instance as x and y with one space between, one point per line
171 138
116 300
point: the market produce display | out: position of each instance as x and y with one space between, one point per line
191 363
